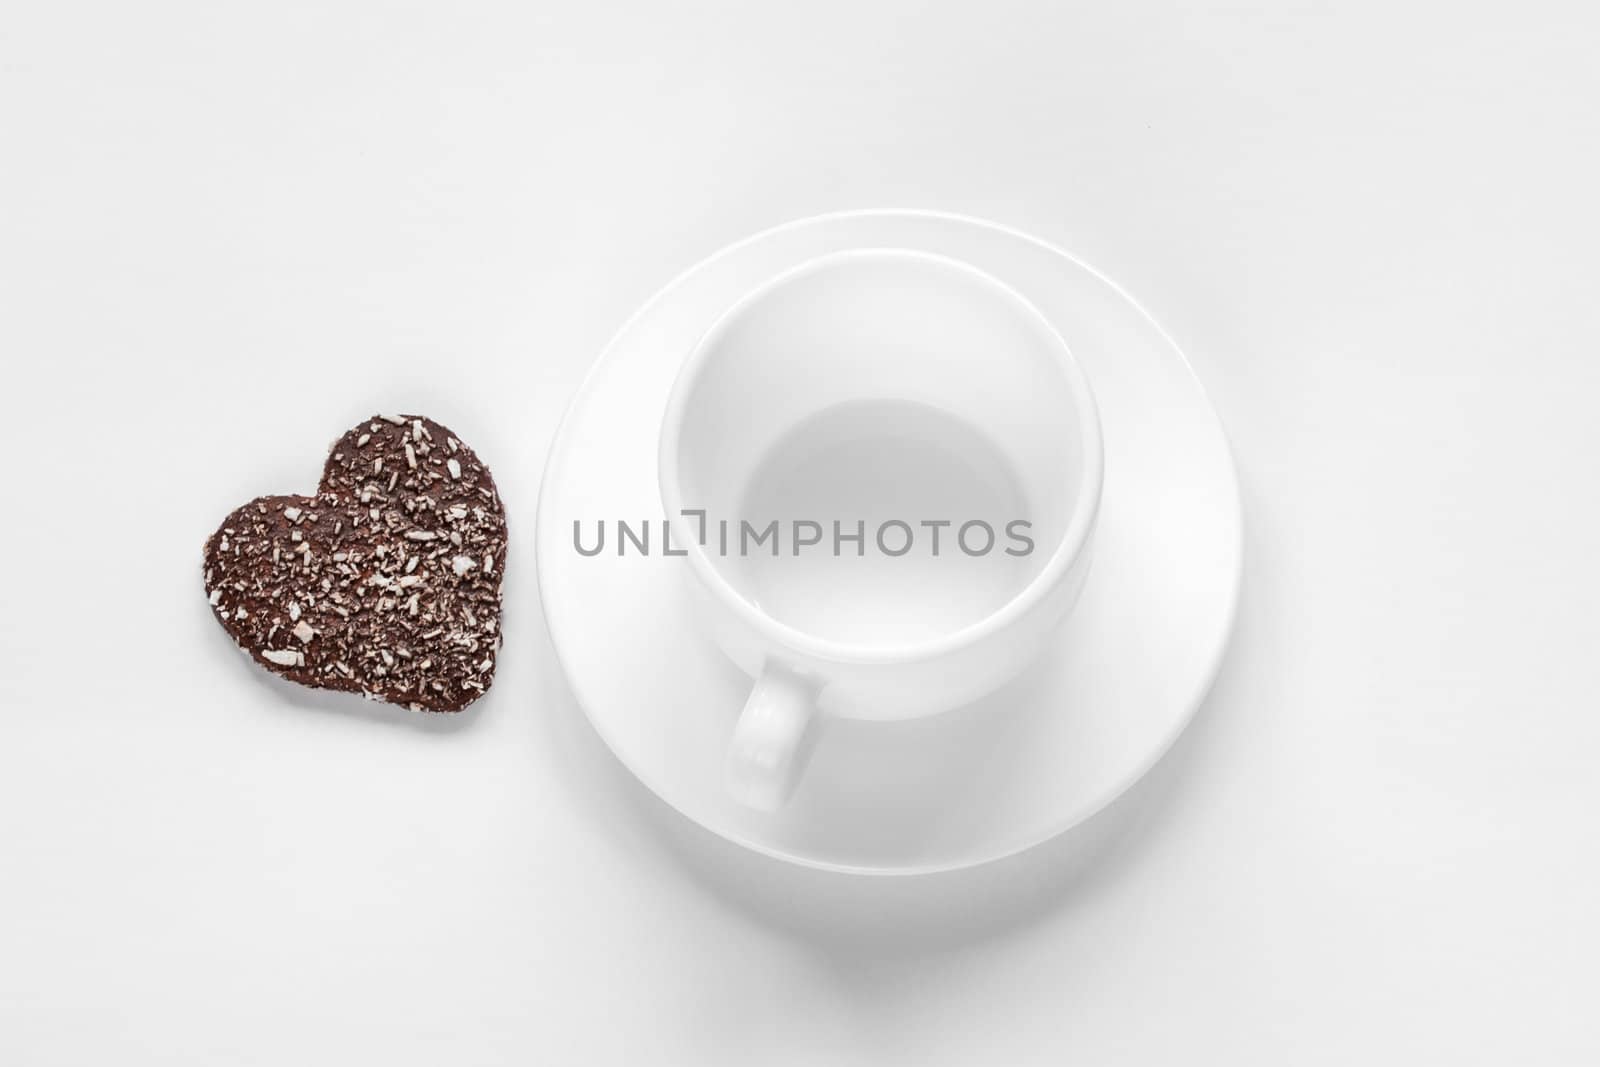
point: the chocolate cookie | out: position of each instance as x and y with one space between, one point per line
387 582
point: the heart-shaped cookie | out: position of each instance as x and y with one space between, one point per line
387 582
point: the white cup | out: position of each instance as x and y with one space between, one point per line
887 391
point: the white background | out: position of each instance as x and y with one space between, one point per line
228 232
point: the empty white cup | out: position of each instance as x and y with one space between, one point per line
889 391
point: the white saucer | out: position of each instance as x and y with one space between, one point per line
972 785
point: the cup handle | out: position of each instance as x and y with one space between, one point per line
771 740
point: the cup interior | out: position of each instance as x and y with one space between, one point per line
915 430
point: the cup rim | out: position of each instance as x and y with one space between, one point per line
1067 550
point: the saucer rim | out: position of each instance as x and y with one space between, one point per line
1213 658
